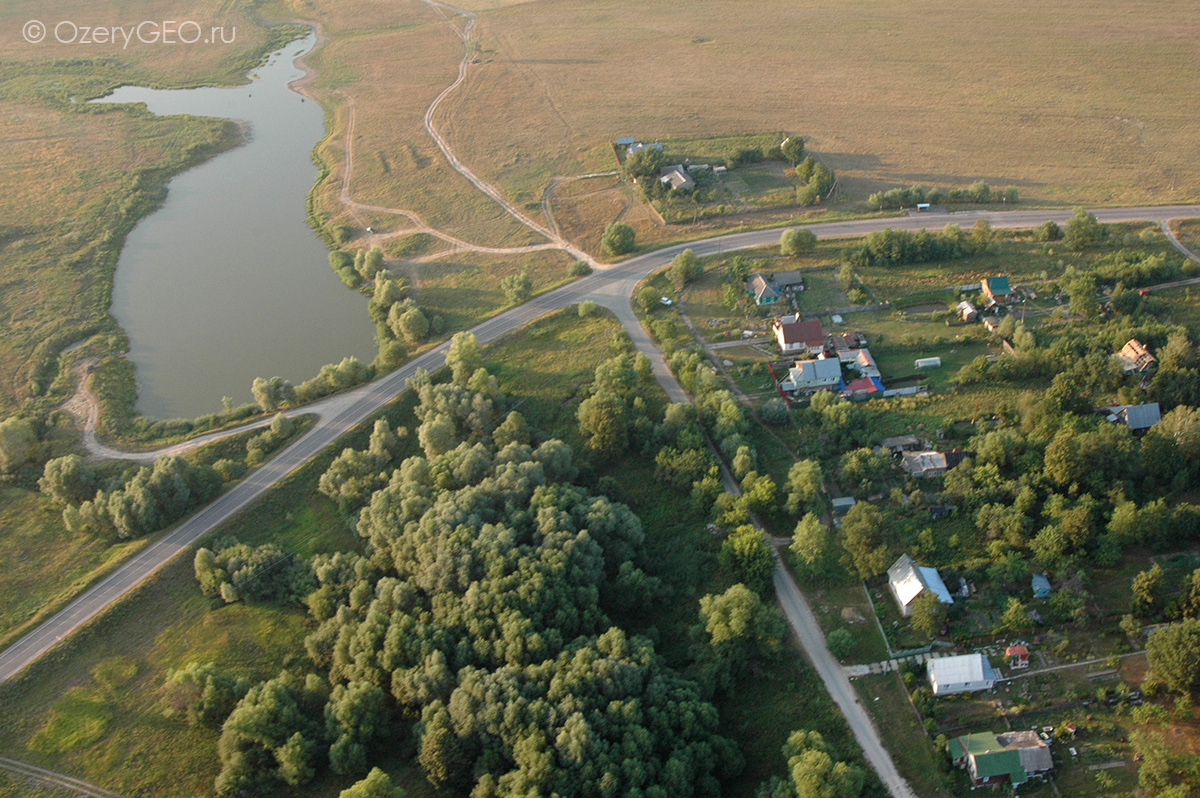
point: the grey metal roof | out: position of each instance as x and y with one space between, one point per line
1140 416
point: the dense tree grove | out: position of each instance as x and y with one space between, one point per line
914 195
480 618
893 247
238 572
152 498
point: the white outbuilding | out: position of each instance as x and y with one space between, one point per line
963 674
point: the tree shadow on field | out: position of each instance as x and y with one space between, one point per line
556 61
910 179
847 160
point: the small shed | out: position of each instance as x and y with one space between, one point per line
1018 657
842 504
966 311
928 363
1041 586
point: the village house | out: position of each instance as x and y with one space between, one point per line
794 335
967 673
862 388
792 280
759 289
1018 657
1138 418
908 581
996 291
966 311
1010 757
676 177
813 375
861 360
900 444
851 339
927 465
1136 358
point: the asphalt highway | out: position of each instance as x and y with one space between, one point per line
611 287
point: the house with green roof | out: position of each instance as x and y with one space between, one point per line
1011 757
996 291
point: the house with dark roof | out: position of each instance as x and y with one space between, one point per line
1135 358
901 443
851 339
792 280
1138 418
1010 757
997 290
761 290
794 335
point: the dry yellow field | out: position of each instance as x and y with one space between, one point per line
1091 107
1096 105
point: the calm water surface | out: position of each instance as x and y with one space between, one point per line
226 282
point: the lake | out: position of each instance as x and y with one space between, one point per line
226 281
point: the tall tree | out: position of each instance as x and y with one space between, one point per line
797 241
862 538
618 239
375 784
685 268
1083 230
18 442
804 486
1174 656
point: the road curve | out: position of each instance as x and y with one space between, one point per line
610 287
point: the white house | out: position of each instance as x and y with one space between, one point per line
907 581
813 375
964 674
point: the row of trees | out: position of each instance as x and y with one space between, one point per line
893 247
914 195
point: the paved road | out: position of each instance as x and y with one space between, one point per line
610 287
